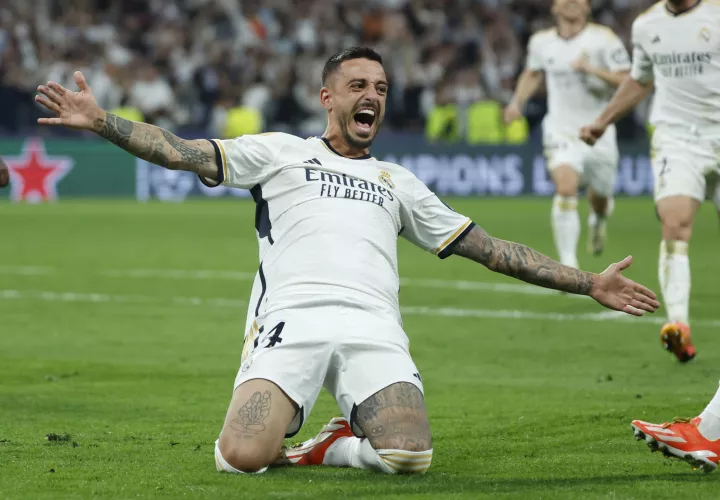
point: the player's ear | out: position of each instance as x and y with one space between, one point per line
325 98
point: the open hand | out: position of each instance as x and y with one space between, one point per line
71 109
615 291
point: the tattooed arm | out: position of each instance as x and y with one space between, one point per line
79 110
521 262
157 145
610 288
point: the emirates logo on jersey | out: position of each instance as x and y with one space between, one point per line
385 180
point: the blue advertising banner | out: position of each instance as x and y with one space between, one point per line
451 171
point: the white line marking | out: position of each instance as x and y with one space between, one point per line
26 270
206 274
179 274
98 298
448 312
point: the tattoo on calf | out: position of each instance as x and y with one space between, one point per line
250 419
395 418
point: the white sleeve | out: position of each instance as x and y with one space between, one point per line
642 70
615 55
431 224
244 161
534 61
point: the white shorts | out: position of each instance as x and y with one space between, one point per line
596 165
685 164
351 352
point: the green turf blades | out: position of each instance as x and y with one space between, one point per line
98 345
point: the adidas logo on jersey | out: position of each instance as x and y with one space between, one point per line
655 39
313 161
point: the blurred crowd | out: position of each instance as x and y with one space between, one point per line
187 64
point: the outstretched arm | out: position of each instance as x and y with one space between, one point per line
609 288
79 110
521 262
157 145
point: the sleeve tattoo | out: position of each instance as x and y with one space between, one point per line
154 144
521 262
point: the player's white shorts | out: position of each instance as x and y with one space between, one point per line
351 352
595 165
686 163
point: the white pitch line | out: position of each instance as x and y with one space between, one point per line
26 270
208 274
179 274
98 298
447 312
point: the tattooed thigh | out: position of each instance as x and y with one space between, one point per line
395 418
259 410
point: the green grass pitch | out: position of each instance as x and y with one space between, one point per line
121 327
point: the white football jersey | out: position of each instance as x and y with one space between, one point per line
328 225
682 54
576 98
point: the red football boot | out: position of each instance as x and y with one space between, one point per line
680 439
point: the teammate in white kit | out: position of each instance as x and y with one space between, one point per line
324 308
581 63
677 47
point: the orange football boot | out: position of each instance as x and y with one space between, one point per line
680 439
675 337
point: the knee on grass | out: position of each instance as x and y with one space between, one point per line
241 458
405 462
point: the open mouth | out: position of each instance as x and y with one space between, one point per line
364 119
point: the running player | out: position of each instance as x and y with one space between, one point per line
581 63
677 47
324 305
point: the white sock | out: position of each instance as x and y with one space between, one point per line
674 276
359 453
710 423
566 228
222 466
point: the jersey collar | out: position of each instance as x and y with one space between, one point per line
680 13
332 150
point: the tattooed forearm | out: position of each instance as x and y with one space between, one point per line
158 146
188 153
521 262
116 130
250 419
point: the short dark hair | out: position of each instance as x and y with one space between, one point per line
334 62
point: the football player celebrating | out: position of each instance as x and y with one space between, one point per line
324 306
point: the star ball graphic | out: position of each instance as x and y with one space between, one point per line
34 175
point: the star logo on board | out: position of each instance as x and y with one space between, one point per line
34 174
